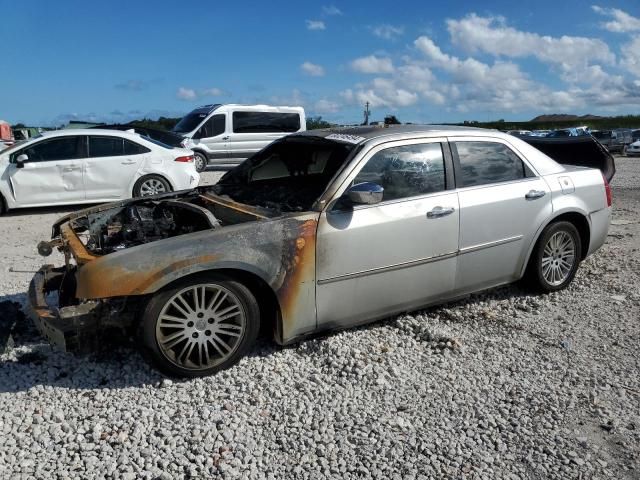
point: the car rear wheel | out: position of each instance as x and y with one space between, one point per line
200 161
556 257
202 325
150 185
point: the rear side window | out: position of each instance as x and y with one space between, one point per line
482 163
113 147
257 122
63 148
406 171
133 148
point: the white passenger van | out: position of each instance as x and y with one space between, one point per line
228 134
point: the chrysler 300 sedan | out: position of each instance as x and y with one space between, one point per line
320 230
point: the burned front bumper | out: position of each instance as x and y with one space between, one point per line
78 325
72 328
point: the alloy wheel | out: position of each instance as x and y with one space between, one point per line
152 186
200 326
558 258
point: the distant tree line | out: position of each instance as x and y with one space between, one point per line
607 123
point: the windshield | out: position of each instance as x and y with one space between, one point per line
189 122
287 176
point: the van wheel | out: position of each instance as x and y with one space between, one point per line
203 324
151 185
555 258
200 161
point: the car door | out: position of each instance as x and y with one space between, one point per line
502 204
110 166
52 173
214 137
374 260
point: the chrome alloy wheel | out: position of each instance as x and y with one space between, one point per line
558 258
200 326
152 186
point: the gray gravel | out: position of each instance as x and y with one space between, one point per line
503 385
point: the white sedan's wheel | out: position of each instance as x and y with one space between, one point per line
151 185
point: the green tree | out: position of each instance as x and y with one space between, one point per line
314 123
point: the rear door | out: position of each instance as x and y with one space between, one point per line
252 131
502 204
53 172
111 165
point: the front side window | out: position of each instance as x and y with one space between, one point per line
63 148
258 122
406 171
482 163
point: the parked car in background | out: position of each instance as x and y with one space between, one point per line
540 133
90 166
320 230
620 138
168 138
633 150
635 135
603 136
519 132
228 134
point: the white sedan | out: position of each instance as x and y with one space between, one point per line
90 166
633 149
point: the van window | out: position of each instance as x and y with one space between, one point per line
257 122
216 125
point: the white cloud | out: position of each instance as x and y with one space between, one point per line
372 64
331 10
312 69
190 94
387 32
326 106
211 92
569 54
186 94
631 57
621 21
315 25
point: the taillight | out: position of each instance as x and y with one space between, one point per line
188 158
607 190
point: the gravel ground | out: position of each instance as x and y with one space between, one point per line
503 385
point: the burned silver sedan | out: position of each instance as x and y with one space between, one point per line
320 230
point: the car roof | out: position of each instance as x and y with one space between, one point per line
90 131
362 134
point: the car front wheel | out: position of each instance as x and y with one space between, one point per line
203 324
556 257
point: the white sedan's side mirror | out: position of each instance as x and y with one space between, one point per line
21 159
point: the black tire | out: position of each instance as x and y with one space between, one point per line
535 276
3 206
201 161
152 332
139 189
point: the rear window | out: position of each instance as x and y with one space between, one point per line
257 122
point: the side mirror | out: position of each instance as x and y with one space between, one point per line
366 193
21 159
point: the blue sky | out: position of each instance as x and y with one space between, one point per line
423 62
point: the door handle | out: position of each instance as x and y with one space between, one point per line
438 212
71 168
225 138
128 162
534 194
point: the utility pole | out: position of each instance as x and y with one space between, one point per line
367 112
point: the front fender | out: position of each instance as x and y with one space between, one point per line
281 252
